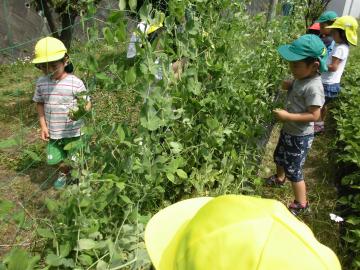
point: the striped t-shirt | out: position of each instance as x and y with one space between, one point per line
58 98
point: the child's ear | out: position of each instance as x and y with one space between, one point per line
316 65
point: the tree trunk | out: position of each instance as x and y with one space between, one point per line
43 6
67 23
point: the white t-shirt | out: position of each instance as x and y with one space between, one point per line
340 51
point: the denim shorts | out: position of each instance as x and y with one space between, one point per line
291 152
331 91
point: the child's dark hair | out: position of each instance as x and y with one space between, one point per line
69 68
342 35
310 60
328 23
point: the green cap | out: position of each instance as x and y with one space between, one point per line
327 16
304 47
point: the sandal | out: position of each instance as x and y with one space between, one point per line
318 127
274 181
297 208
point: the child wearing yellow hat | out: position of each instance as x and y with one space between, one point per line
55 96
344 32
233 232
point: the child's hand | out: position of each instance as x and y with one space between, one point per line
286 84
281 115
44 134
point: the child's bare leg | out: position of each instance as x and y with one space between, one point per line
299 189
280 172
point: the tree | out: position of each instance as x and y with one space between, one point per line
68 11
314 9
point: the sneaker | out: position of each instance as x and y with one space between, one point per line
297 208
60 182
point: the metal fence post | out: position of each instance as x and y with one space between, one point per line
272 10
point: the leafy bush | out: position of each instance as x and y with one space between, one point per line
196 135
347 118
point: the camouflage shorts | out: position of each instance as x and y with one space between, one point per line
291 152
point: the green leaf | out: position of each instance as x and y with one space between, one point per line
181 173
5 208
144 12
53 260
86 244
19 217
46 233
92 63
51 205
116 16
34 156
101 265
130 76
353 220
126 199
212 123
120 185
108 35
152 123
8 143
122 4
121 134
120 32
176 147
65 249
73 145
85 259
19 259
133 4
101 76
171 177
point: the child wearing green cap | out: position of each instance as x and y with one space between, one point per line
305 97
326 19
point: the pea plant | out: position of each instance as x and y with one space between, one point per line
347 145
196 131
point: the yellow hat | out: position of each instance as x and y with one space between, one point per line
49 49
349 24
233 232
153 28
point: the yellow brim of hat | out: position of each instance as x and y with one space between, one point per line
163 226
46 59
351 35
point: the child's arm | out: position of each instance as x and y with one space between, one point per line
287 84
44 129
313 114
334 64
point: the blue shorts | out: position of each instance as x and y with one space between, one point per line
291 152
331 91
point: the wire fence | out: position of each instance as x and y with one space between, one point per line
257 6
